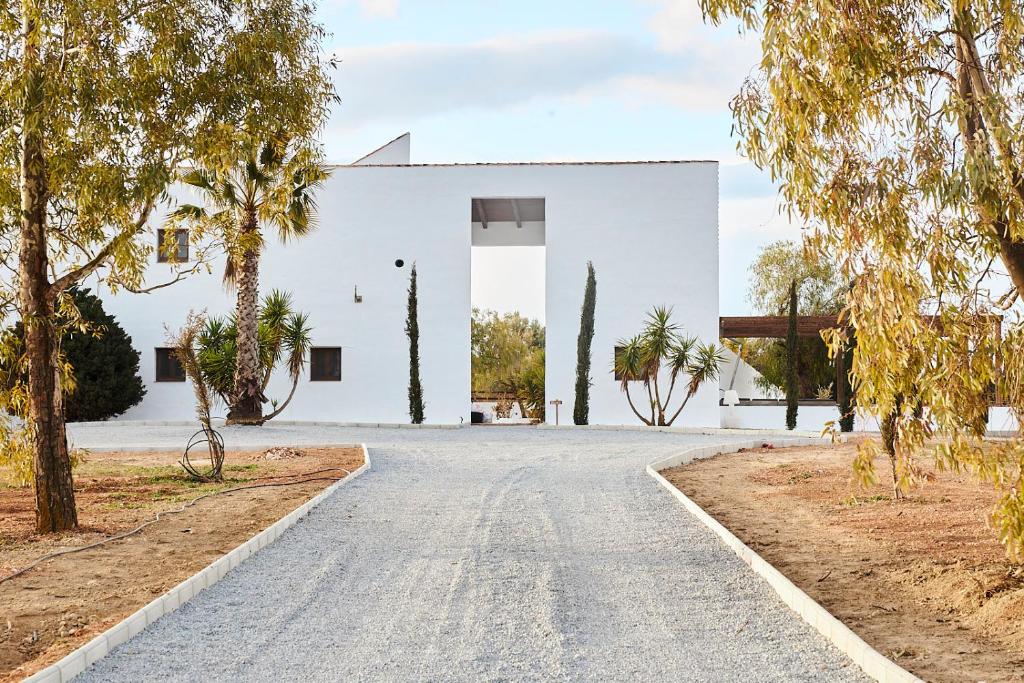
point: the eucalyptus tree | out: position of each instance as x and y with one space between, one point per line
271 184
661 345
101 102
895 130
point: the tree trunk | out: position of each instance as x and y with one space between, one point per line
247 402
55 495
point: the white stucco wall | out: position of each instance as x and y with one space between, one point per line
651 231
813 418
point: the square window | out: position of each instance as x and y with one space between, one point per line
325 364
168 367
178 253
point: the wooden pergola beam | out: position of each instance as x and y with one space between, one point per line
773 326
777 326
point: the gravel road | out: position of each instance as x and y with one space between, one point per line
481 554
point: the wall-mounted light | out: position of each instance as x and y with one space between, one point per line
357 296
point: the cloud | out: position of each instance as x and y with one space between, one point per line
686 65
401 82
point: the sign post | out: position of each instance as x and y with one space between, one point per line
556 403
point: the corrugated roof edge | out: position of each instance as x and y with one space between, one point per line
533 163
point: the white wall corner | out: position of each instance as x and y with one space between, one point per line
395 153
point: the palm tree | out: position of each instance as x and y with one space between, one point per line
660 344
283 336
271 186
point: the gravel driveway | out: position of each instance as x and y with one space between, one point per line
481 554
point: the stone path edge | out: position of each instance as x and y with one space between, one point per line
871 661
99 647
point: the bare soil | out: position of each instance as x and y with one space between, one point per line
924 580
62 603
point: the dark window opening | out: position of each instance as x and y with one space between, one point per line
177 252
168 367
325 364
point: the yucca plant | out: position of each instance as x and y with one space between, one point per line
659 347
271 186
283 336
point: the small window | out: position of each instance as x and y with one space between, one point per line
325 364
168 367
178 253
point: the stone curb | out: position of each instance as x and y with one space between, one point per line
103 644
871 661
705 431
219 422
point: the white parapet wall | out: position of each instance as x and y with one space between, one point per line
813 418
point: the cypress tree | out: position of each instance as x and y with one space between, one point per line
792 354
581 408
412 330
846 416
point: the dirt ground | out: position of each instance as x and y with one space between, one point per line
924 580
62 603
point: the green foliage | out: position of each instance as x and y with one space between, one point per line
581 406
284 341
820 291
820 286
661 346
412 331
271 181
896 133
135 89
508 358
104 379
531 387
846 403
792 346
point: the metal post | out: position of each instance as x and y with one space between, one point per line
556 403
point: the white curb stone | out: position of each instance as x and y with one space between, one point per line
872 662
100 646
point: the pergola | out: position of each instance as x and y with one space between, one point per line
777 327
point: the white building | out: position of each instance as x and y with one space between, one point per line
650 228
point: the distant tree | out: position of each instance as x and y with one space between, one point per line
661 345
792 379
821 288
103 367
581 408
820 291
531 390
412 330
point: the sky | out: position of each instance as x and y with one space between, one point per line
532 80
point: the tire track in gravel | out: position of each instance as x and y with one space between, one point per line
501 555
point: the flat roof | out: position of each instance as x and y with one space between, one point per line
530 163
